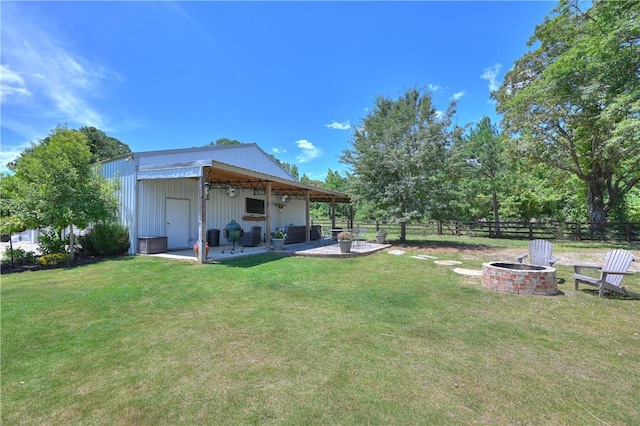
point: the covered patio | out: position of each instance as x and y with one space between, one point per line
277 192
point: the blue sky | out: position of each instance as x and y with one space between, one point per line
293 77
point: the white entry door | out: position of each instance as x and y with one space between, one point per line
177 227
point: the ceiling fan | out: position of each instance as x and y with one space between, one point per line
232 191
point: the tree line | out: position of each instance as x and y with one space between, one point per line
568 147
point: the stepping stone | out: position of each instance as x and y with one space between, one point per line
424 257
447 262
472 272
396 252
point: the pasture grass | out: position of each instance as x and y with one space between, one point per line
268 339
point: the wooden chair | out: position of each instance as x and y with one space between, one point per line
616 266
540 253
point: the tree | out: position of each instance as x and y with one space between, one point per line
224 142
484 151
399 157
333 181
10 223
573 102
55 185
104 147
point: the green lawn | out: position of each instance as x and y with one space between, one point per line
380 339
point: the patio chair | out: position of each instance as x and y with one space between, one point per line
540 253
251 238
616 266
327 236
359 236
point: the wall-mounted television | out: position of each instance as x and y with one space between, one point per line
254 206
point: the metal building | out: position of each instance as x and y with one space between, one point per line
180 194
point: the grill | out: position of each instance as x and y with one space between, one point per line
232 233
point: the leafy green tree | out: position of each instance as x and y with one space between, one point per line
55 186
10 222
223 142
104 147
573 102
400 158
484 151
335 182
291 168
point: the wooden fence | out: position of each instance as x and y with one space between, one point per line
572 231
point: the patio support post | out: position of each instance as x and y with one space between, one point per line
202 220
267 210
333 212
307 218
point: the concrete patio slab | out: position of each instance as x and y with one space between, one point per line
326 248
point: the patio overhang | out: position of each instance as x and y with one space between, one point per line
221 175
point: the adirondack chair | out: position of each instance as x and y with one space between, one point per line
616 266
540 253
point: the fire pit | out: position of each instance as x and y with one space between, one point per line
519 278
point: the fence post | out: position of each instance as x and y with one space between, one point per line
530 230
458 228
578 235
439 231
628 232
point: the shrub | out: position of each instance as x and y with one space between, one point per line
50 242
106 239
20 257
54 259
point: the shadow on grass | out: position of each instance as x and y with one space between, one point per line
607 294
251 261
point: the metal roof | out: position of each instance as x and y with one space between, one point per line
241 166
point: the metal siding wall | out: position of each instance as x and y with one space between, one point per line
221 209
293 212
152 206
124 172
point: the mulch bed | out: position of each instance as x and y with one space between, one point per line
6 268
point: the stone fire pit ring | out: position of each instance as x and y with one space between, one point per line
519 278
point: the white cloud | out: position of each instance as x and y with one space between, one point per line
11 84
308 151
62 84
339 126
278 150
434 87
457 96
490 74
